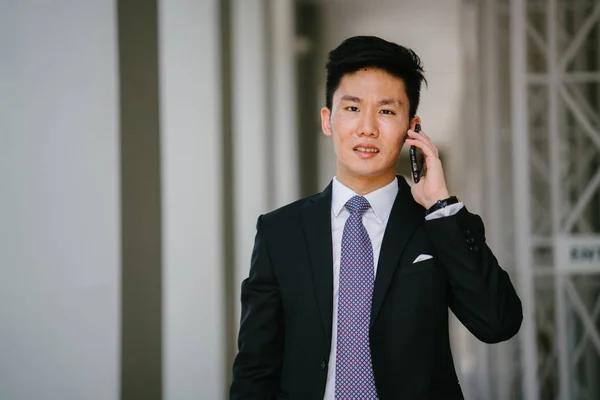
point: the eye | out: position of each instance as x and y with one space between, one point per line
387 112
352 109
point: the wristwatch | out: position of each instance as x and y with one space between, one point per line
441 204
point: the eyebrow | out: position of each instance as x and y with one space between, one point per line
384 102
351 98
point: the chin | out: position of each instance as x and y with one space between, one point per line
369 170
367 173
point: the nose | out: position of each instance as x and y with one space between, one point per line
368 125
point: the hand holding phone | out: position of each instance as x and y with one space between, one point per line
416 159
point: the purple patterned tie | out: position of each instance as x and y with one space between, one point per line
353 368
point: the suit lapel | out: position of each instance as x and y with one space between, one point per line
406 215
317 228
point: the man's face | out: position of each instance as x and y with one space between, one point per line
368 121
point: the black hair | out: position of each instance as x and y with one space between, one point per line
372 52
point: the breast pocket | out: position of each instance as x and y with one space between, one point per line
418 268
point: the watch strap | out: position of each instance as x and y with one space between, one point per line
441 204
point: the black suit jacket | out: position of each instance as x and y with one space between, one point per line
287 301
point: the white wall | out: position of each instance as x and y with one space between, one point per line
59 200
250 125
265 170
193 271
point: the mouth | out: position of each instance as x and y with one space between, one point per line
366 151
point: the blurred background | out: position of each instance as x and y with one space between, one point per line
140 140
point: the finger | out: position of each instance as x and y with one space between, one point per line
417 138
424 138
431 143
427 150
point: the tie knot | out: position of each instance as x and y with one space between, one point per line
358 204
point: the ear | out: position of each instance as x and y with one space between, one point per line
326 121
415 120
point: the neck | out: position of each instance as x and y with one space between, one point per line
364 185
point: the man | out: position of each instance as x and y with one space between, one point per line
349 290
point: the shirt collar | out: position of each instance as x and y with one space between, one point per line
381 200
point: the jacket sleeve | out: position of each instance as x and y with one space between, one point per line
257 366
481 293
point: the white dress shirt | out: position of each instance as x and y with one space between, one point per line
375 220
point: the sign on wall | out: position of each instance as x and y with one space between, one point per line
578 254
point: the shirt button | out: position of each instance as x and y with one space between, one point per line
470 240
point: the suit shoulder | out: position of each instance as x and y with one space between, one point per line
287 212
285 218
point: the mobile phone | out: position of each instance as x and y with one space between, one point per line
416 159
